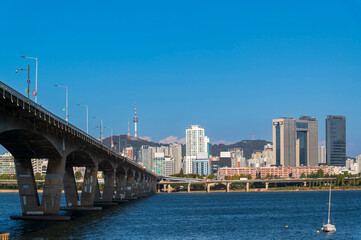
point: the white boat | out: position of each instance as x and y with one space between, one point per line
329 227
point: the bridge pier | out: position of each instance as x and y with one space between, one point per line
208 188
228 187
50 204
121 184
28 192
130 184
70 188
108 191
247 187
169 188
97 195
189 188
89 186
267 183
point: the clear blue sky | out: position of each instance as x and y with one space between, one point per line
230 67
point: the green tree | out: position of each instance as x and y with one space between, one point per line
4 176
78 175
181 174
320 173
38 176
211 176
303 175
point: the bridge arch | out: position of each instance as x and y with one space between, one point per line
29 144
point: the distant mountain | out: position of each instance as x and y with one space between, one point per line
248 147
125 140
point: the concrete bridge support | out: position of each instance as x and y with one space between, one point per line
129 191
247 187
189 188
228 187
108 191
169 188
121 183
70 188
208 187
89 186
267 183
28 192
53 186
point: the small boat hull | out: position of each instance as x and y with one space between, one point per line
328 228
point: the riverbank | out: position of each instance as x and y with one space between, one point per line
16 191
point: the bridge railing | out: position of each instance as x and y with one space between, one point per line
5 88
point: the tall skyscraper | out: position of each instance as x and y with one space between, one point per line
336 140
295 142
321 154
196 142
175 150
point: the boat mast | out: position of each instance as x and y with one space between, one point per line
329 206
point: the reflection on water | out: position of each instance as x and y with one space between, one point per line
201 216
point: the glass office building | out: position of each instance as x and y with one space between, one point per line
336 140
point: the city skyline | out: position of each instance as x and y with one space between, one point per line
225 78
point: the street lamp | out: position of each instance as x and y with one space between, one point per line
101 128
87 116
36 76
111 137
28 90
66 101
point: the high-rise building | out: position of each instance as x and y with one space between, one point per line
321 154
358 163
39 165
236 156
175 150
196 142
350 163
168 166
336 140
163 149
201 164
295 142
159 164
146 156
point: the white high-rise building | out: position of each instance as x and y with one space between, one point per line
358 164
322 154
146 155
196 142
168 166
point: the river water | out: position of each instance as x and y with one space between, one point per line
201 216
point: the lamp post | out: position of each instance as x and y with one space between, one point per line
36 76
87 116
28 81
111 137
101 128
66 102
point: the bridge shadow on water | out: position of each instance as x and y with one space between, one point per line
79 224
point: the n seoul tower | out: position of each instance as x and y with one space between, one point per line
135 120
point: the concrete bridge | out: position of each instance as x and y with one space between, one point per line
29 131
165 185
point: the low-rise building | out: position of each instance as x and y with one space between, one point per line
281 172
7 165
